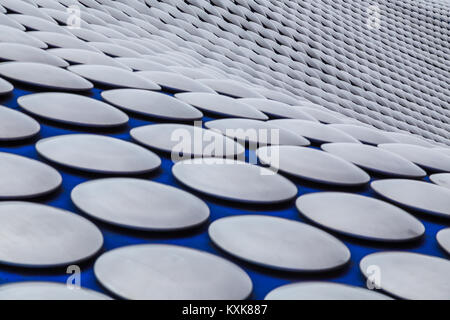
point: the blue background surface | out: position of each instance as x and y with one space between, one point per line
264 280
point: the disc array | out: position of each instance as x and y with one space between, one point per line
243 149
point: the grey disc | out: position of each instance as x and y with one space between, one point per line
443 238
174 81
403 137
416 195
320 114
5 87
360 217
86 57
39 24
313 165
323 291
427 158
375 159
365 134
113 76
41 236
72 109
26 53
166 272
441 179
140 64
234 180
185 141
231 87
34 290
95 153
139 204
444 151
153 104
256 132
279 243
15 125
26 178
114 50
314 131
59 40
409 275
44 75
221 105
25 8
5 20
277 109
13 35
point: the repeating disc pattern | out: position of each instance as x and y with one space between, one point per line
189 141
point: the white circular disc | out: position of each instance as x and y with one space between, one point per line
174 81
416 195
278 243
323 291
44 75
34 290
375 159
113 76
234 180
443 238
72 109
409 275
41 236
96 153
166 272
15 125
185 141
256 132
139 204
311 164
314 131
153 104
221 105
441 179
26 178
360 217
427 158
5 87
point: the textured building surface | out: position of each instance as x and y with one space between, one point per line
358 92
